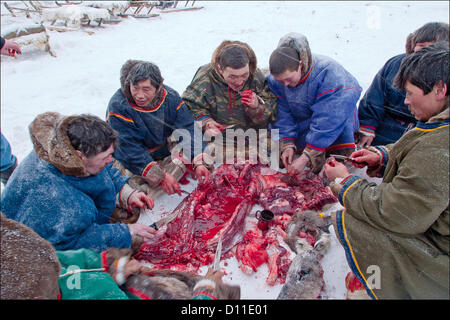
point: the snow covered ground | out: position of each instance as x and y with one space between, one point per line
85 72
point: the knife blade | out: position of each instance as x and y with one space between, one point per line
158 224
345 158
350 159
216 263
227 127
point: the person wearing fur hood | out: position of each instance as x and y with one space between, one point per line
66 189
231 90
396 234
148 116
317 99
33 269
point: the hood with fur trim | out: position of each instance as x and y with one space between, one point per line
299 43
50 142
226 44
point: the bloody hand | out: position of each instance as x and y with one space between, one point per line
140 200
249 98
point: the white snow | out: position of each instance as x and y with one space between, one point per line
362 36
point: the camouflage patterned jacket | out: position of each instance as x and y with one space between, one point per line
208 95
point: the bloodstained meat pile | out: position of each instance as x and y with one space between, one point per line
217 209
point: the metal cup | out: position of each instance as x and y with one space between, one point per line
265 218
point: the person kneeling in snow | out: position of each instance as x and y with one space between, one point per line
396 234
316 104
231 91
85 274
66 189
148 115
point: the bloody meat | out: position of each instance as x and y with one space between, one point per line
217 209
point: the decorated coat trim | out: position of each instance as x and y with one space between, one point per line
351 259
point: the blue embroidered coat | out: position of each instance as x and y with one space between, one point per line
320 112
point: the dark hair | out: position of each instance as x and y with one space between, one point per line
425 67
234 57
431 32
143 71
282 59
409 45
91 135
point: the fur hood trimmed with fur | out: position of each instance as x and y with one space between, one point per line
298 42
252 64
48 133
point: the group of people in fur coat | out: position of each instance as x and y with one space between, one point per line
83 170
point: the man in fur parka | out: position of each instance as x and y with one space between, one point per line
66 189
148 115
231 91
396 234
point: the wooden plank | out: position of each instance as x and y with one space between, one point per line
146 15
24 31
64 29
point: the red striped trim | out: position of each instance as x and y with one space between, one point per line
353 88
367 127
59 296
348 177
203 116
315 148
179 106
104 261
328 91
209 295
341 146
147 168
306 76
340 87
138 293
287 138
135 107
119 116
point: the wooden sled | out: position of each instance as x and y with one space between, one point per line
186 8
138 7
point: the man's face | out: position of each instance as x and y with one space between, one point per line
143 92
422 106
289 78
235 78
96 163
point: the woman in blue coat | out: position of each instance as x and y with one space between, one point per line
316 104
66 190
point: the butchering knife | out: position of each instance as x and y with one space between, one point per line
346 158
158 224
216 263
